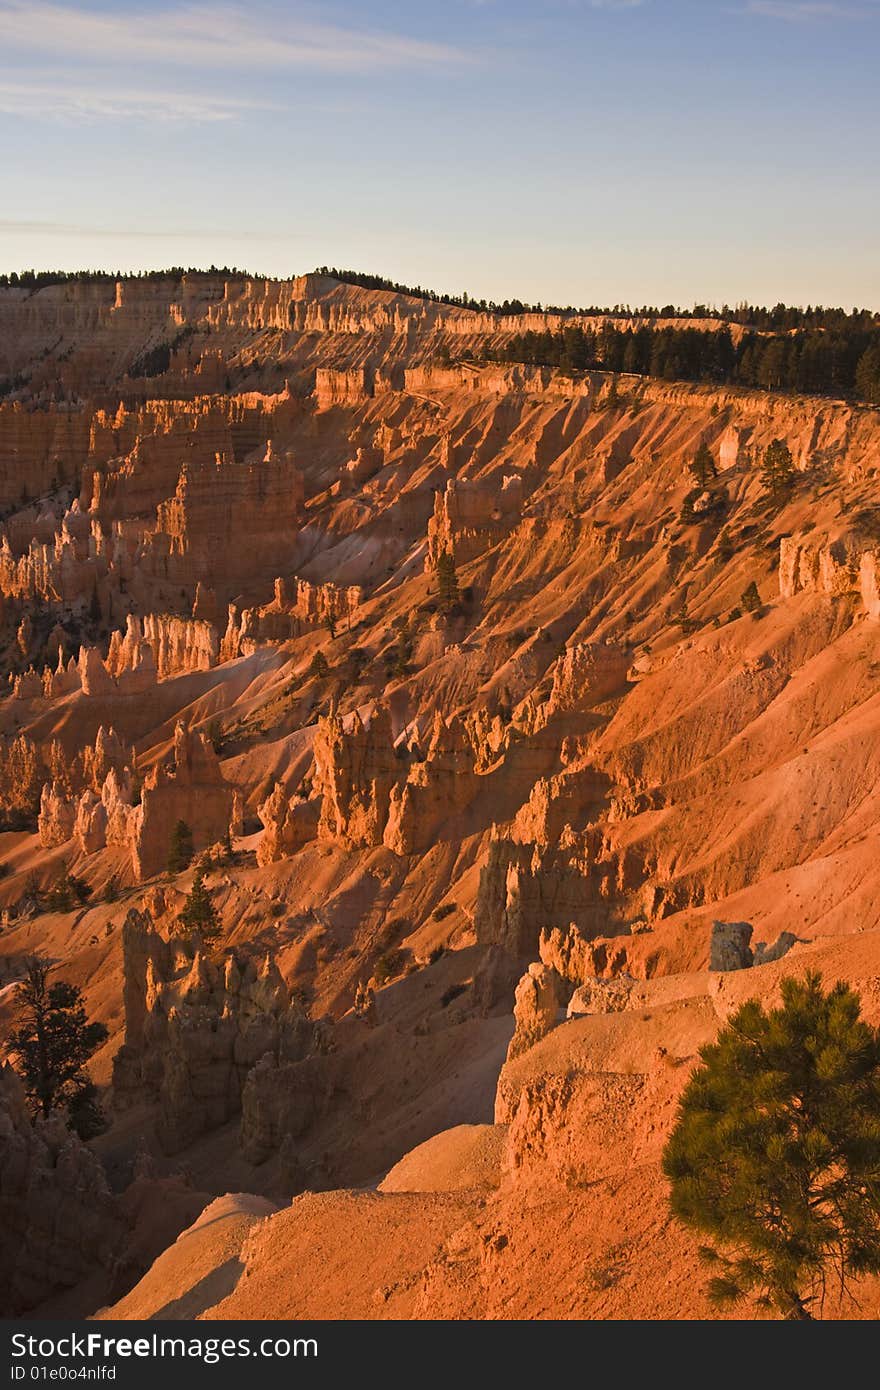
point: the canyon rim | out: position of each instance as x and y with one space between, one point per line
425 720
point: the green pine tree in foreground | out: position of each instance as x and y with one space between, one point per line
51 1045
775 1155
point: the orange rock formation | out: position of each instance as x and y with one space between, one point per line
481 869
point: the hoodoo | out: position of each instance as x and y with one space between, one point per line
413 753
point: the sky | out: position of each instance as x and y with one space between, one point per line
561 151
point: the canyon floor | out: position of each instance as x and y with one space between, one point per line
481 716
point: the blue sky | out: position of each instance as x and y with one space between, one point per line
564 150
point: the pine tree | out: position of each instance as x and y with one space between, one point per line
777 474
319 668
750 598
181 850
52 1043
776 1151
447 582
59 897
687 515
403 651
702 466
199 913
67 892
868 375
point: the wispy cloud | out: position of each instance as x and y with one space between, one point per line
800 11
225 36
575 4
71 100
12 226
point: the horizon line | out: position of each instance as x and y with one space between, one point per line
459 299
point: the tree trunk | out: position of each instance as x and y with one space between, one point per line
793 1308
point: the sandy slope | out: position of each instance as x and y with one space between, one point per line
202 1265
733 774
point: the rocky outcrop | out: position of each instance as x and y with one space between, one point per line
28 685
64 573
198 532
489 734
729 947
178 645
766 952
94 678
375 792
537 1007
316 605
469 517
109 753
89 797
195 1028
335 387
437 788
584 676
48 684
90 823
527 889
355 770
847 565
25 766
818 567
288 824
869 583
59 1222
555 803
137 673
156 646
205 607
109 819
601 997
39 445
281 1099
297 607
556 988
24 636
193 790
136 452
57 815
145 531
581 960
495 980
588 974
